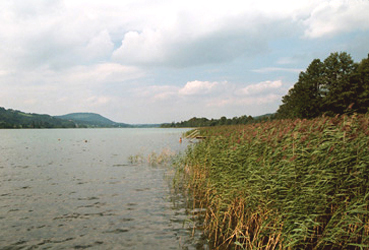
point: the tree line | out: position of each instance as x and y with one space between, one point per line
336 85
204 122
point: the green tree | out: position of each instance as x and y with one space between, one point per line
308 91
329 87
304 99
337 90
361 80
223 120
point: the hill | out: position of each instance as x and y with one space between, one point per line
10 118
91 120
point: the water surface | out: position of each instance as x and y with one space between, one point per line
77 189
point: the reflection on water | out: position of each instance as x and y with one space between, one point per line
76 189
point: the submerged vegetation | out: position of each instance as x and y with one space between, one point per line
282 184
163 158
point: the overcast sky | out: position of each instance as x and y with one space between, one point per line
145 61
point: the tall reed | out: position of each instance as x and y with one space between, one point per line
285 184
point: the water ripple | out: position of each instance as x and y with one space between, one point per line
72 194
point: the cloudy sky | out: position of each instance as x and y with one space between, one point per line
145 61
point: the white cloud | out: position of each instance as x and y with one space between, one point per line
228 30
209 92
332 17
49 33
198 88
261 87
156 93
141 48
103 73
81 88
99 47
98 100
246 101
83 76
202 96
200 33
3 73
161 33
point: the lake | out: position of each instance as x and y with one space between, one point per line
77 189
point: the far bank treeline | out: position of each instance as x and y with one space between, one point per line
204 122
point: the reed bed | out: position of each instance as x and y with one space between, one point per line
283 184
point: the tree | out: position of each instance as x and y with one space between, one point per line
308 91
338 91
361 79
329 87
304 99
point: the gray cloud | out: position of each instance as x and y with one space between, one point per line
232 38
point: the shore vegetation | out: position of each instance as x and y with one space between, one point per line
282 184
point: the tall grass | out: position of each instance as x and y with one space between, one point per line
285 184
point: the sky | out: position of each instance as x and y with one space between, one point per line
146 61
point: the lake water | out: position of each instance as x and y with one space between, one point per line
77 189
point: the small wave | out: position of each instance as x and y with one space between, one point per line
96 243
96 204
122 165
142 189
84 216
117 231
88 198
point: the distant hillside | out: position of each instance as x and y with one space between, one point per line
10 118
91 120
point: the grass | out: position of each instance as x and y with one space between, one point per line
284 184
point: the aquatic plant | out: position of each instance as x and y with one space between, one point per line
136 159
165 157
283 184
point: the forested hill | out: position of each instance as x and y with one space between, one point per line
10 118
91 119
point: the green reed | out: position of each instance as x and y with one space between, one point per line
163 158
285 184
